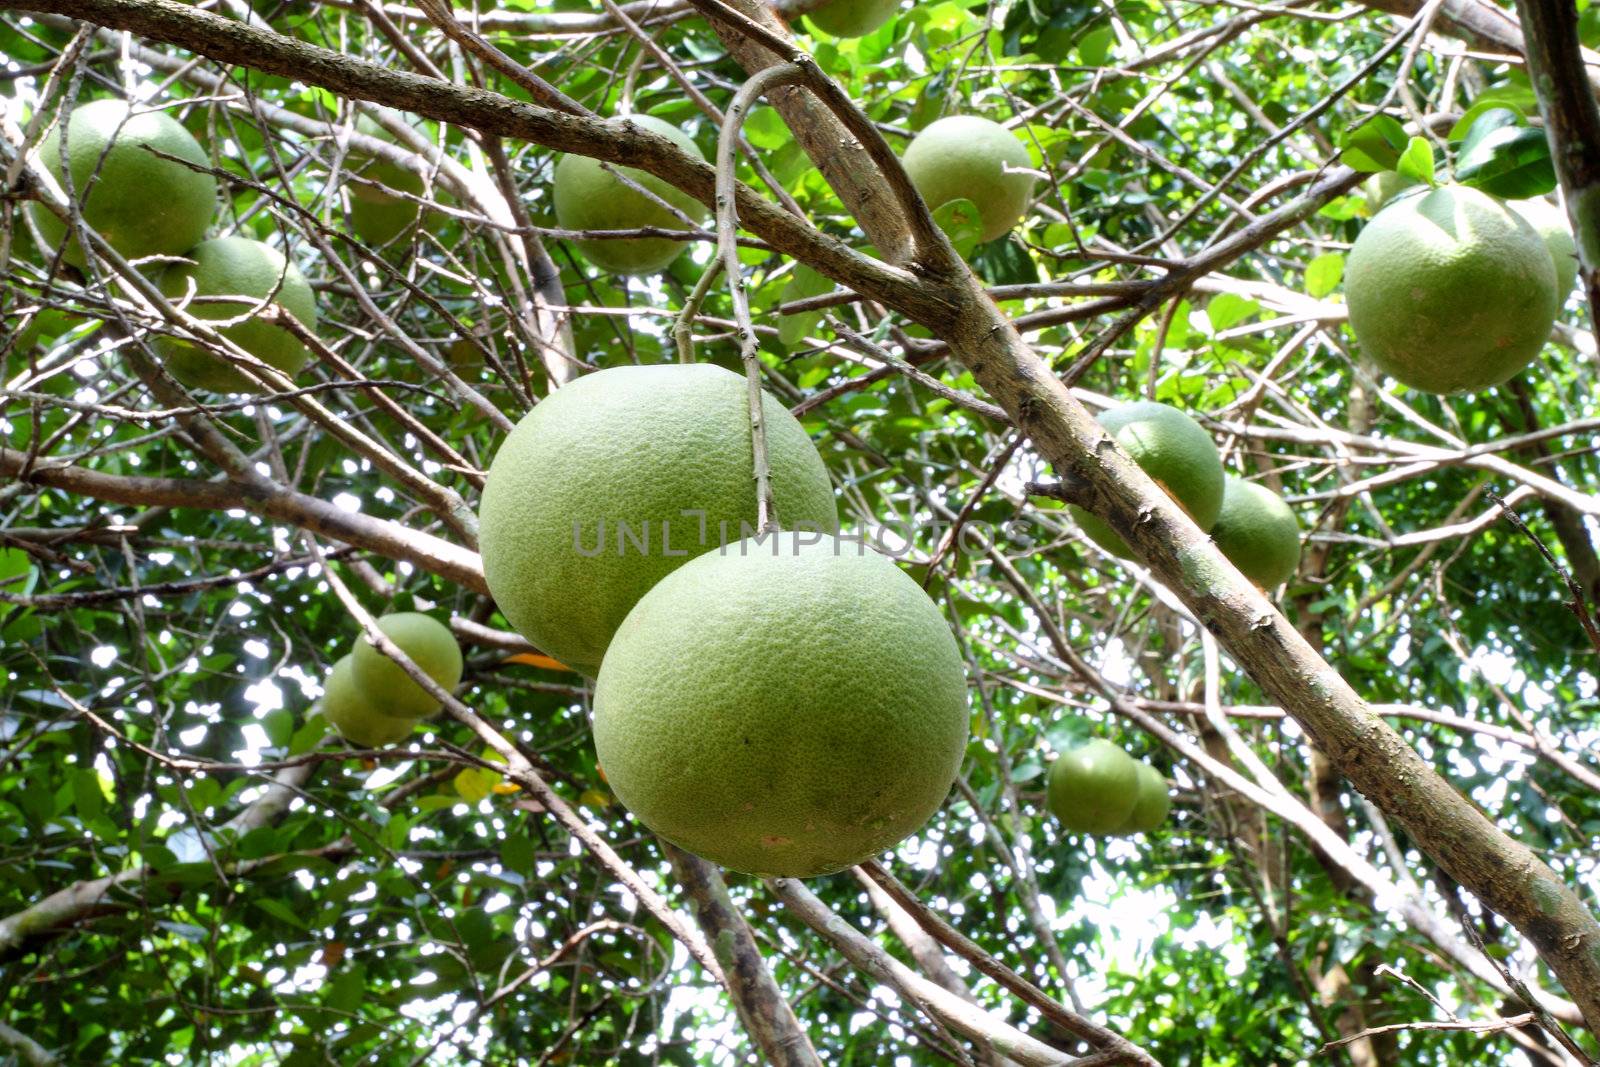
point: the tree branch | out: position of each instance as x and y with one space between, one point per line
761 1005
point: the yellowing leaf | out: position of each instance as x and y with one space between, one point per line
534 659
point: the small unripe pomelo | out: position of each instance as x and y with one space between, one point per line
1092 789
376 216
141 204
590 197
1550 223
1450 291
783 708
964 157
1172 449
1258 532
429 644
379 217
250 271
357 719
620 477
853 18
1384 187
1152 805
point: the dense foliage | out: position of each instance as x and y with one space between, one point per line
161 659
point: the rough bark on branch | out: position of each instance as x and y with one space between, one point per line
1572 126
766 1015
388 539
947 298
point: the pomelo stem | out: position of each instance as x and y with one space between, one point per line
728 252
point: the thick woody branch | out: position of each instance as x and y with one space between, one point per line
25 1048
994 1036
388 539
766 1015
82 899
233 42
1571 123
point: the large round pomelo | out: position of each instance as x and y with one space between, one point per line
1258 532
617 479
1450 291
783 708
1152 805
354 716
590 197
853 18
429 644
964 157
1092 789
250 271
1172 449
1550 223
142 204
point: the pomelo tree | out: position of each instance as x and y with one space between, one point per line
1383 772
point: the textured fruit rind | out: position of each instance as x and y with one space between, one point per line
788 714
618 454
1450 291
1172 449
379 217
971 158
250 270
587 196
1152 805
1092 789
357 719
1258 532
141 204
1550 223
430 645
853 18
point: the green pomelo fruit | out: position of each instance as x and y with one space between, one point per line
589 197
853 18
1173 450
429 644
1383 187
1258 532
379 217
1450 291
249 270
620 477
1550 223
1092 789
356 718
966 157
783 708
1152 805
142 204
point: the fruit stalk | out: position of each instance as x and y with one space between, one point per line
728 252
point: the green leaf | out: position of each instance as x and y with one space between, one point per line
960 222
1416 162
1095 48
1229 309
1374 145
1512 162
1324 273
281 911
517 853
1480 119
792 329
1005 262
